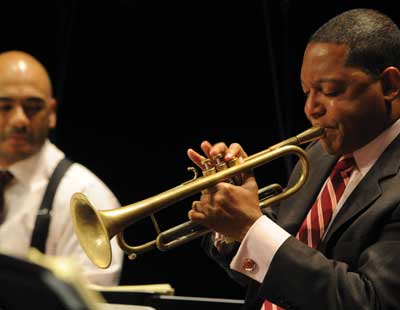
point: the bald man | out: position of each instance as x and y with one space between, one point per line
27 114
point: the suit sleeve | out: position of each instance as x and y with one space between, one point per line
303 278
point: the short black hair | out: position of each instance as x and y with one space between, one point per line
372 38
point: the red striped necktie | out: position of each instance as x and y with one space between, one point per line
319 216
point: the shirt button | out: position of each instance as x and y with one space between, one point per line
249 264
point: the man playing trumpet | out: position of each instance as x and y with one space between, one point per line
334 244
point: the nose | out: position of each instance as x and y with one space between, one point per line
18 117
313 107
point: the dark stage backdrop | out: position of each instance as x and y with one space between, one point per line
139 82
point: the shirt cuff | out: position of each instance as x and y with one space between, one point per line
258 248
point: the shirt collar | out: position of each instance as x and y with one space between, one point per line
367 155
35 167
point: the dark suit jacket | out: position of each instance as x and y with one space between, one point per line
357 265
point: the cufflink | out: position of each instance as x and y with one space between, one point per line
249 265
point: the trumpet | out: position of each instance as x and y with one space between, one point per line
95 228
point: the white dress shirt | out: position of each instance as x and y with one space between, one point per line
265 237
23 198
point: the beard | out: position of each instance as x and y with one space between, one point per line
18 143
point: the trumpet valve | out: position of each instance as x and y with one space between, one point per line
208 168
220 163
233 162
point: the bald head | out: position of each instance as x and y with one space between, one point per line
27 107
17 67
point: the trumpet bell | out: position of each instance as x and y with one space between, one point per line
91 231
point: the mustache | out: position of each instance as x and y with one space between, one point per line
16 131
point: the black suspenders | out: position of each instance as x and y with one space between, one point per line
41 228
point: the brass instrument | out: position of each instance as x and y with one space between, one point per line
95 228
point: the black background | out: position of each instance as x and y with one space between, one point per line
139 82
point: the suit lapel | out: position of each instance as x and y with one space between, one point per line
369 188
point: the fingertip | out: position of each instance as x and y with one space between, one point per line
189 152
229 156
205 143
196 216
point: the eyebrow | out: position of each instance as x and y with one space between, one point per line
10 98
36 99
325 80
329 80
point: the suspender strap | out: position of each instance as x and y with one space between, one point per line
41 228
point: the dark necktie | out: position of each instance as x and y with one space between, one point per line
5 178
319 216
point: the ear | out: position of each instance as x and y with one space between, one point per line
390 80
52 113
